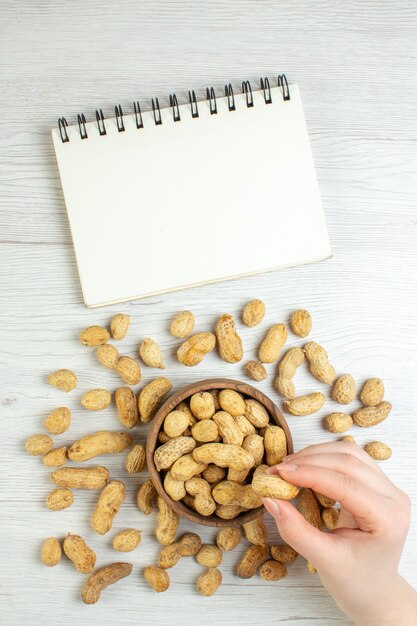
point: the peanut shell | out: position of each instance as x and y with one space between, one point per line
65 380
301 323
182 325
94 336
39 444
58 421
119 326
228 341
253 313
151 354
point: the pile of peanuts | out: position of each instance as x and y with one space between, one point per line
213 449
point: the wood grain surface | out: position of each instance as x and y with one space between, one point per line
355 63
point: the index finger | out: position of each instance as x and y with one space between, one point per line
368 507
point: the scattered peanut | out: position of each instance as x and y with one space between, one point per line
253 557
338 422
287 368
301 322
305 405
253 313
127 540
378 450
283 553
51 551
255 371
108 355
119 326
94 336
157 578
256 532
58 421
182 325
187 545
272 570
311 568
136 459
65 380
145 496
372 415
96 399
129 370
79 553
192 351
96 444
273 343
168 521
209 556
39 445
151 354
127 407
101 579
209 582
108 505
319 363
228 341
59 499
372 392
344 389
150 397
56 457
81 477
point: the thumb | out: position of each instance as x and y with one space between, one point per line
311 543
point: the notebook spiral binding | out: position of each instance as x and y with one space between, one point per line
173 103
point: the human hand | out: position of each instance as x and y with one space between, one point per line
358 561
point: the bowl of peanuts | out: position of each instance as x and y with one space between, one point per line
208 449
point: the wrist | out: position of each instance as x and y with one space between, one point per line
396 605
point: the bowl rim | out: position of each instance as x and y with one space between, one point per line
170 403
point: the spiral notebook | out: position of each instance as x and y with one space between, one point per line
190 193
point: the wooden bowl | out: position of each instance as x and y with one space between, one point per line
156 426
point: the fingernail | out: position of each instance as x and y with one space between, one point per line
286 467
272 507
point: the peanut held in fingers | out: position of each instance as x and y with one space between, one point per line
271 485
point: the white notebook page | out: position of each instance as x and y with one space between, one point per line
195 201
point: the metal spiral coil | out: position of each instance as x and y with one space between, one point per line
173 103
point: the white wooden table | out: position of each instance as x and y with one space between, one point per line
355 63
